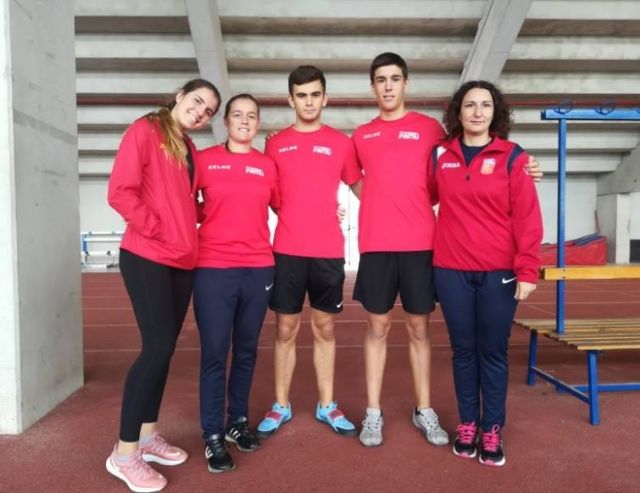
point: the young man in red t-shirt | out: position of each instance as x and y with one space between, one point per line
396 227
311 159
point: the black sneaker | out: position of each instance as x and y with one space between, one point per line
465 444
239 433
217 454
492 453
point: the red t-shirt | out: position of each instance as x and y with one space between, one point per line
310 166
237 191
395 208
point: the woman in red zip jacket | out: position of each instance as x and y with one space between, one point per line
487 237
233 278
152 186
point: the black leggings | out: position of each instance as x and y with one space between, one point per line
160 297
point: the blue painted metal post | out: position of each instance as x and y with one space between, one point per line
533 357
562 190
592 368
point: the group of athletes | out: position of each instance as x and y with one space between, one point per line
477 261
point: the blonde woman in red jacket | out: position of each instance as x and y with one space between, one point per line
152 186
485 260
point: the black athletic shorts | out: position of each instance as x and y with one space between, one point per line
322 278
382 275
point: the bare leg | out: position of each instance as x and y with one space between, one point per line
375 355
324 353
288 327
420 357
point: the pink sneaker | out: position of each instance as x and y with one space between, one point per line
138 475
158 450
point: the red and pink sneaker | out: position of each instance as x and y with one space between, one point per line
158 450
136 473
492 453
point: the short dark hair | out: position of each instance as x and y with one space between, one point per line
501 123
227 107
388 58
305 74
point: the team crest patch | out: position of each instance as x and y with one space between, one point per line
404 135
252 170
322 150
488 165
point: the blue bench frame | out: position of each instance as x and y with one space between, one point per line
587 393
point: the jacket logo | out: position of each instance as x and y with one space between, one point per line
219 166
322 150
450 165
488 165
372 135
251 170
288 149
408 135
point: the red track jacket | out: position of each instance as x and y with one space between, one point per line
155 197
489 217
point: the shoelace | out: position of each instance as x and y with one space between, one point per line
371 423
491 440
428 422
241 429
139 467
467 432
158 444
217 446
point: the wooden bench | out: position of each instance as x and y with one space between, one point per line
590 335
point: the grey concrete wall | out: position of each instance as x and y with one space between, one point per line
9 371
39 213
614 213
634 223
581 207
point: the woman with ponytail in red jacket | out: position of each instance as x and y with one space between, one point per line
152 186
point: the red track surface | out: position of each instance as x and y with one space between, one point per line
549 444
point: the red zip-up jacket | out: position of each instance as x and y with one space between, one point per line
489 217
155 197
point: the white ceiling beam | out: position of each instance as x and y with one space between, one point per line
206 32
497 31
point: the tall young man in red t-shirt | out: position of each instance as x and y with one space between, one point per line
311 159
396 227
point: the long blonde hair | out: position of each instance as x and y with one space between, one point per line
172 135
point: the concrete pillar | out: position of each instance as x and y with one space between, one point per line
614 216
40 287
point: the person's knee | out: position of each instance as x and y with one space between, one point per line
418 334
287 333
324 332
378 332
158 353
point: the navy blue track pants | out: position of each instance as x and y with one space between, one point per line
230 306
479 308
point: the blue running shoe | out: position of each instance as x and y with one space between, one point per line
273 419
335 418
